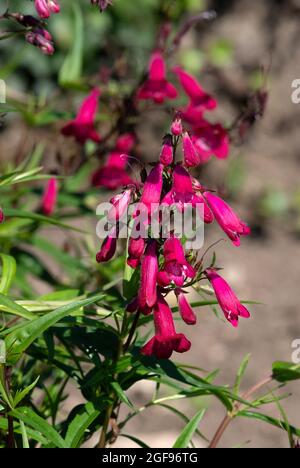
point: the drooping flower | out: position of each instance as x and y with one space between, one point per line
42 39
125 143
1 215
227 219
166 155
210 140
149 271
50 197
108 248
120 205
200 101
183 193
83 126
230 304
166 339
185 309
156 87
136 250
113 174
152 189
176 268
44 8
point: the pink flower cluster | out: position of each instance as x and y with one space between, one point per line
37 35
164 265
45 8
201 139
207 139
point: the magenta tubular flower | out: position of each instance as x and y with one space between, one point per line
185 309
211 139
152 188
41 39
176 268
191 156
183 193
83 126
166 155
227 219
50 197
108 248
136 250
229 303
149 271
120 205
200 101
113 174
125 143
156 87
44 8
166 339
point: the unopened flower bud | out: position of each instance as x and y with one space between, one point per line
176 127
42 39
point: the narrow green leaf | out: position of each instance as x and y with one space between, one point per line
32 434
188 432
20 339
268 419
70 73
241 373
21 394
286 421
24 435
12 213
80 424
183 417
121 394
8 273
30 418
2 352
11 307
3 393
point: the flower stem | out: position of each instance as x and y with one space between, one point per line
115 400
231 416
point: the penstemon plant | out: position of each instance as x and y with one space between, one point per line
109 316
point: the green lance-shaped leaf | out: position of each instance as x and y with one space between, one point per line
70 72
188 432
12 213
272 421
24 434
21 394
8 273
241 373
11 307
20 339
81 422
31 419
